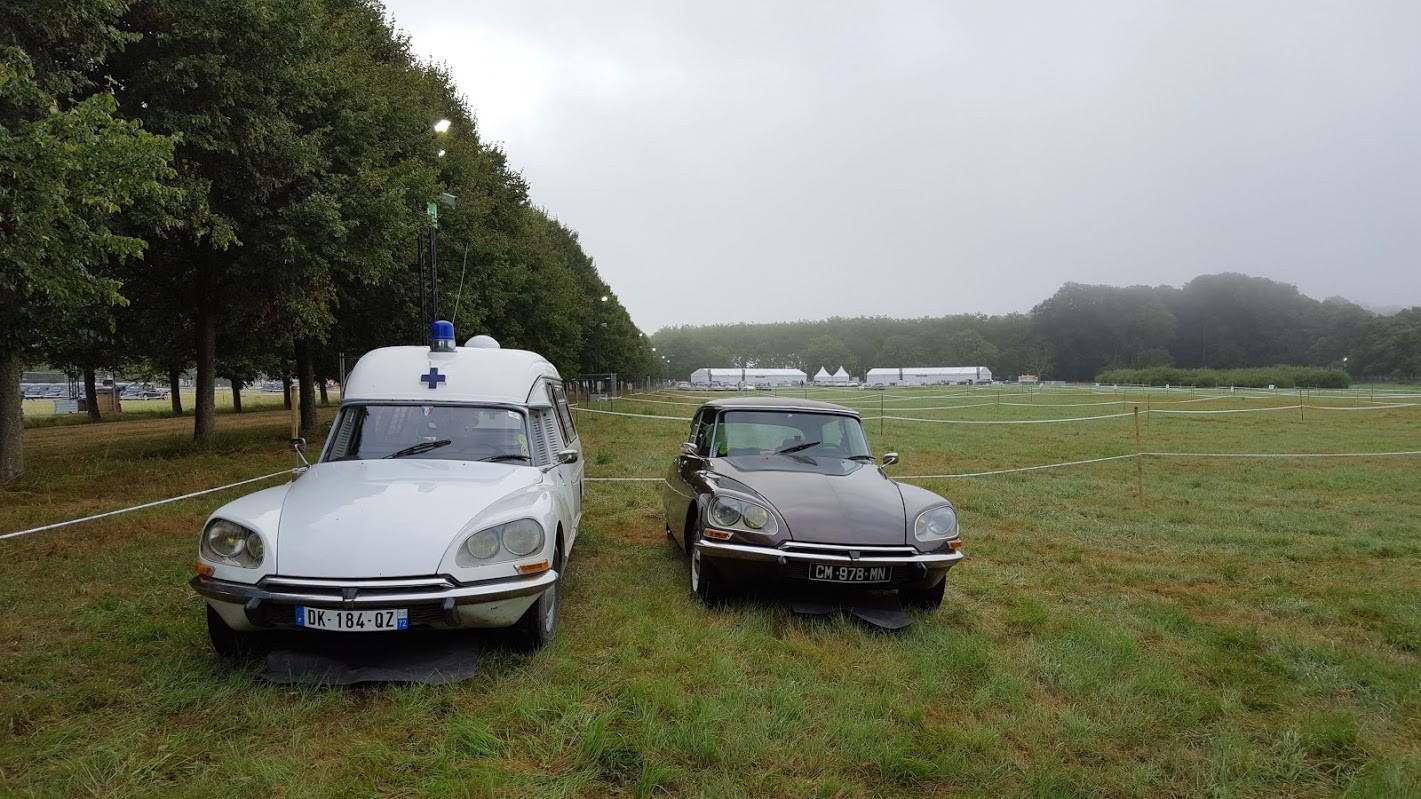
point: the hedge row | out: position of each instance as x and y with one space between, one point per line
1262 377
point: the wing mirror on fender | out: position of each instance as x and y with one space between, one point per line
890 458
688 449
567 456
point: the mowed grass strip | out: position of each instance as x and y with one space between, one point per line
1247 628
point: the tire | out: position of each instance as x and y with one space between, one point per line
707 586
539 623
925 598
230 643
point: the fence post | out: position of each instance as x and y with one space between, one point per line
1300 403
1139 459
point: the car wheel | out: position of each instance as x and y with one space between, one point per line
925 598
707 586
230 643
539 622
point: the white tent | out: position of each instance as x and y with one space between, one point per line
929 375
821 377
841 378
750 376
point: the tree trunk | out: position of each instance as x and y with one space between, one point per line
286 392
91 395
204 423
325 398
175 395
236 394
12 420
306 378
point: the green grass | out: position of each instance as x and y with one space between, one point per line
40 412
1247 628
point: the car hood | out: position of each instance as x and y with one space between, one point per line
824 501
385 518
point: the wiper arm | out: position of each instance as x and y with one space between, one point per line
507 457
798 447
868 458
423 446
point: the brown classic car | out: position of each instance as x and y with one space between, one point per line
771 489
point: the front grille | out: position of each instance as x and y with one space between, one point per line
864 553
365 588
332 593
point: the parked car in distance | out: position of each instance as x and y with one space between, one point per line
773 489
448 495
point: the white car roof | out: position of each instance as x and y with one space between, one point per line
465 375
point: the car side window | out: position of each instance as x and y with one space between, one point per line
569 432
702 432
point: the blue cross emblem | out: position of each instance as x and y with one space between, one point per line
433 378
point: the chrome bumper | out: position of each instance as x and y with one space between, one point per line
818 553
442 593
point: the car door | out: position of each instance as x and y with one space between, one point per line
573 474
679 494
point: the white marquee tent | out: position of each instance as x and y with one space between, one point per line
929 375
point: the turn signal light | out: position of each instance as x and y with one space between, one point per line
954 544
719 535
535 566
202 569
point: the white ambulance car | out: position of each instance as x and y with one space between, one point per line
448 496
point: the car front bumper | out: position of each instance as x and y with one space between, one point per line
793 560
432 602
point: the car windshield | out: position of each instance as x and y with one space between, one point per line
440 432
817 435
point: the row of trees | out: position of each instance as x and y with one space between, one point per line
236 187
1222 321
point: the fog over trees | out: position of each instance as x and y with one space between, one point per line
1220 321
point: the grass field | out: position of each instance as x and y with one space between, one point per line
1247 628
40 412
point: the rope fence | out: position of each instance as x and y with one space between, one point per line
949 476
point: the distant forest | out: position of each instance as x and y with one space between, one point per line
1223 321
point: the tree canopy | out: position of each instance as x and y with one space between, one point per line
1222 321
239 187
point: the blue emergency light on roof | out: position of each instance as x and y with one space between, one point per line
441 337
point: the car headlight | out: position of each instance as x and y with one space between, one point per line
515 539
483 544
725 512
936 524
232 544
754 516
738 514
523 537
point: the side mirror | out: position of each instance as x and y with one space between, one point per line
890 458
689 450
298 446
568 456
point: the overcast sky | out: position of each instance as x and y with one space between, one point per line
774 161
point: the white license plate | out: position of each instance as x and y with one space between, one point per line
357 621
832 573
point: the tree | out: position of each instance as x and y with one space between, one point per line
963 348
68 170
827 352
901 352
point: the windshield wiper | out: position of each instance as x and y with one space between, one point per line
506 457
868 458
798 447
423 446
